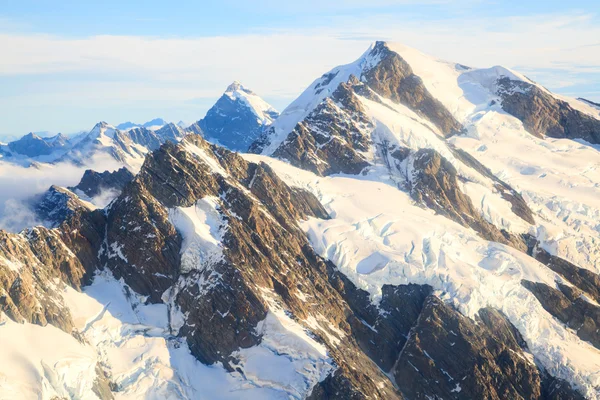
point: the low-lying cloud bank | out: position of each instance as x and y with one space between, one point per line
20 185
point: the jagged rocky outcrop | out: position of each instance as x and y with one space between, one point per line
56 205
93 183
237 118
393 78
264 252
432 351
404 341
569 306
36 263
543 114
332 138
450 356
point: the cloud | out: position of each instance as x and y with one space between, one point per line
18 185
538 40
64 79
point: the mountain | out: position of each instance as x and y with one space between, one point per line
155 123
152 124
412 228
32 145
183 125
126 147
127 125
94 183
237 118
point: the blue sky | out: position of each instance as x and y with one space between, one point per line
68 64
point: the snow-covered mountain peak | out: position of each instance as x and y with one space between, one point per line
31 135
237 118
264 111
102 129
236 86
58 138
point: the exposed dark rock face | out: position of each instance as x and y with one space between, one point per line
232 122
331 138
102 385
27 293
584 279
450 356
393 78
434 183
264 252
381 331
141 245
266 260
56 205
567 305
31 262
558 389
93 183
544 115
432 351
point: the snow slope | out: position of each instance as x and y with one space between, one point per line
201 226
43 362
377 236
260 108
559 178
133 343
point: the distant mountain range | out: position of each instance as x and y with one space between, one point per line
152 124
128 147
238 117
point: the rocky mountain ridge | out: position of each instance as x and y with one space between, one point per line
388 257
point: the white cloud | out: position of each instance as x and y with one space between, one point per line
18 185
537 41
153 73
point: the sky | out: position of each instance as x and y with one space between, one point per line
66 64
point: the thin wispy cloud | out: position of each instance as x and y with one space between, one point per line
177 74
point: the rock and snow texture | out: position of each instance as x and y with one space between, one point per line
419 236
509 171
201 227
378 237
237 118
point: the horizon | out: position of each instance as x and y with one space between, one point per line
64 72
